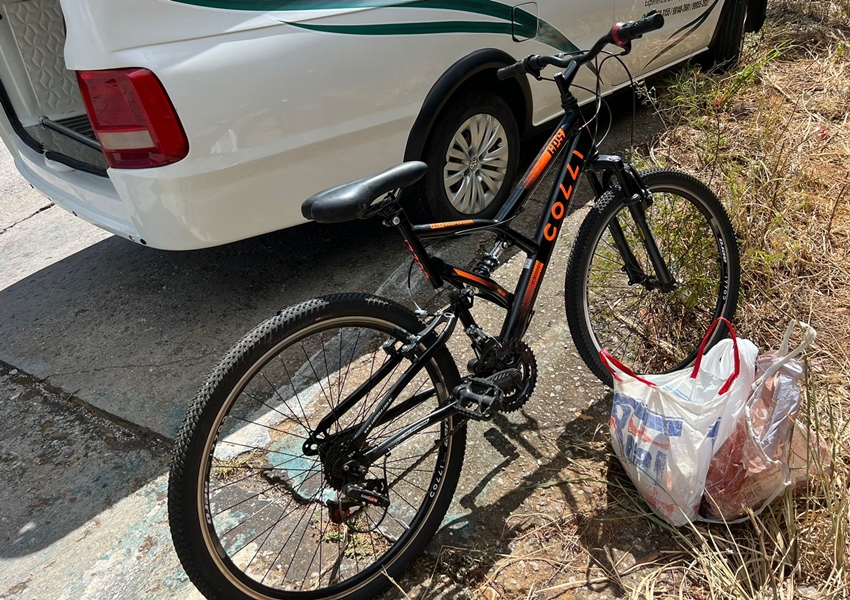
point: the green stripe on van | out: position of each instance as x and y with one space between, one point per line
526 23
694 25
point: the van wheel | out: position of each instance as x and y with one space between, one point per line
472 157
729 41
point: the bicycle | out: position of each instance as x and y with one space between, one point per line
322 453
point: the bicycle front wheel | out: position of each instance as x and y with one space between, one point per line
650 330
258 511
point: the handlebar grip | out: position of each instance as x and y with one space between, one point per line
518 68
511 71
623 33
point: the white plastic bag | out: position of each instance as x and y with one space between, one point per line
665 428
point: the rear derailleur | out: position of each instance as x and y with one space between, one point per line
373 492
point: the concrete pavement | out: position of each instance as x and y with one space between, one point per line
83 502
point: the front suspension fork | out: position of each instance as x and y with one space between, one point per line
637 199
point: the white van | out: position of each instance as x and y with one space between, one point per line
184 124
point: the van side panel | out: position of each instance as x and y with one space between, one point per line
277 105
688 28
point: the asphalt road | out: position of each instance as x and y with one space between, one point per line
106 342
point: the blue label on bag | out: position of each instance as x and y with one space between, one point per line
643 434
626 407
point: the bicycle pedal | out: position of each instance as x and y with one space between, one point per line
478 399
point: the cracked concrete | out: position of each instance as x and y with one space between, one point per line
18 200
26 218
83 502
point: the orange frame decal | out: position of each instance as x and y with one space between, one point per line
532 286
545 158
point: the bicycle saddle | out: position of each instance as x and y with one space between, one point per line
351 200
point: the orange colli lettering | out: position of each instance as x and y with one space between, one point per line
550 235
566 192
558 210
574 171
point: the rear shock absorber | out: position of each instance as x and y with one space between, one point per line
488 262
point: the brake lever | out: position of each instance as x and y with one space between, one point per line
532 70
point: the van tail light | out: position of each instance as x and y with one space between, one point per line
133 118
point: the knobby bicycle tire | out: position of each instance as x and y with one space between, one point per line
240 456
649 330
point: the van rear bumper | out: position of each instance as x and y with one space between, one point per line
87 196
171 207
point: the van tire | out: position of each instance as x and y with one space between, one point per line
756 15
729 40
460 118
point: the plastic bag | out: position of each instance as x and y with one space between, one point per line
665 428
768 449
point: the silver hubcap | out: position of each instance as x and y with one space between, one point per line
476 164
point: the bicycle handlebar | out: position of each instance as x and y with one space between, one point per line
621 34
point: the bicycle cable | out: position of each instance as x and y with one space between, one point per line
600 101
634 99
419 309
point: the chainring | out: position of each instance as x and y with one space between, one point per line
517 355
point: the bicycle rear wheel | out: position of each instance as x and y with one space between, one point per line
257 512
650 330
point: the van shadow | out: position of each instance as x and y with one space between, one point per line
133 332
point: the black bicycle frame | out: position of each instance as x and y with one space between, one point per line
572 137
569 137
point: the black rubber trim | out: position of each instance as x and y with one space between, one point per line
33 143
448 83
728 5
75 164
16 122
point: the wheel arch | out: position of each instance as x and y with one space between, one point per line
476 70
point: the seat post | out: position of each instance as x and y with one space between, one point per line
399 219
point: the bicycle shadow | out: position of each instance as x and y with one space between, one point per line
608 530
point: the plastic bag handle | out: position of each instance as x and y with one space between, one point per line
809 336
608 360
734 337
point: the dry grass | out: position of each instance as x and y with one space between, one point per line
772 137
